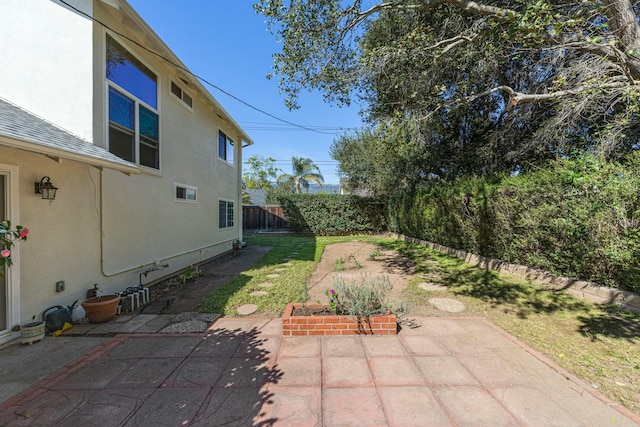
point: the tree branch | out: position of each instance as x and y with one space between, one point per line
468 6
519 97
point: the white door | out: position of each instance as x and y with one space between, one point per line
10 282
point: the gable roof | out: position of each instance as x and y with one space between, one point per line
162 50
26 131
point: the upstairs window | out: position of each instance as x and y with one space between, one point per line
134 121
182 95
225 147
225 214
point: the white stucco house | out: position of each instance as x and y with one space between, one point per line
147 163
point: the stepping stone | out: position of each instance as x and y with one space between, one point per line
266 285
447 304
287 259
432 286
273 276
287 263
190 326
259 293
247 309
280 269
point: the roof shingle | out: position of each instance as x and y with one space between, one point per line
19 124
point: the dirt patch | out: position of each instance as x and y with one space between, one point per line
358 263
313 311
172 297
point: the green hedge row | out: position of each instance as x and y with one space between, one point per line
333 214
578 218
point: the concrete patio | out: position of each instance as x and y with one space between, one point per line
444 371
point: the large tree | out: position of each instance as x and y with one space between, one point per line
304 172
260 172
539 77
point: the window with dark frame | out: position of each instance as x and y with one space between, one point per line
225 214
181 94
185 193
225 147
134 120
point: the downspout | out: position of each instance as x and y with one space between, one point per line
238 158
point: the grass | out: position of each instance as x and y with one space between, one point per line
301 254
599 344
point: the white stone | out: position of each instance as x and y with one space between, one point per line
247 309
432 286
266 285
447 304
259 293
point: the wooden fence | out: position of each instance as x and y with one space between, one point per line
269 218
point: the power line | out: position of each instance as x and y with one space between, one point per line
202 79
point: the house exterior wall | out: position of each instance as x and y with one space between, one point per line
140 211
63 242
107 227
41 66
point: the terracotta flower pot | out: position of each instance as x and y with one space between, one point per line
101 309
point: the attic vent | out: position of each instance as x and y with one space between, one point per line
181 94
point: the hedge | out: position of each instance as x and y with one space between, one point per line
333 214
578 218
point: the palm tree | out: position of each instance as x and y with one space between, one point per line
304 172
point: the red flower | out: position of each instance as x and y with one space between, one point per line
23 233
6 253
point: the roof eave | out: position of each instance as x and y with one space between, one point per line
57 153
127 9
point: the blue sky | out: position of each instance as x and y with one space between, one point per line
227 43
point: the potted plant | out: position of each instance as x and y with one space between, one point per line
32 331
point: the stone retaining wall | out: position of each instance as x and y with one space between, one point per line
335 324
579 288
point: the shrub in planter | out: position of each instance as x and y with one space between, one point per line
368 297
358 308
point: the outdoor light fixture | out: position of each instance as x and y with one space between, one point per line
46 189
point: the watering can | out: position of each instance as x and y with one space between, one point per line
55 318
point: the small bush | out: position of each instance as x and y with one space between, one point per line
190 272
369 297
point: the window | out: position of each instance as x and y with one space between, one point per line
225 147
185 193
225 214
134 131
182 95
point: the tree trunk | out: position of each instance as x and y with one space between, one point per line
624 24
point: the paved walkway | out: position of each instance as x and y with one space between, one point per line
448 371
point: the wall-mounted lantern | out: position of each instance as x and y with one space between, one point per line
46 189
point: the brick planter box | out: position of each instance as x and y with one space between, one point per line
335 324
